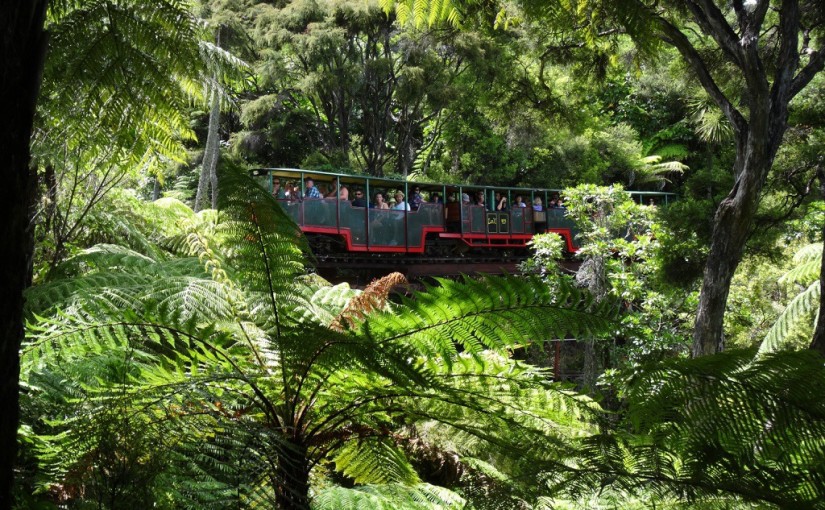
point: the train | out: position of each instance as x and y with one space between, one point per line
429 220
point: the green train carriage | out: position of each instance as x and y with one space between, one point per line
441 229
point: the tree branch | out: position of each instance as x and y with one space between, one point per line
714 24
675 37
750 22
815 65
788 58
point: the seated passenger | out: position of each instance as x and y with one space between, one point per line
400 204
380 203
537 204
311 190
417 199
343 193
436 199
519 202
465 199
501 202
360 200
277 191
480 199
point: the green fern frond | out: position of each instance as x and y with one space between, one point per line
264 246
374 461
717 425
808 261
805 272
388 497
479 315
800 308
808 252
676 151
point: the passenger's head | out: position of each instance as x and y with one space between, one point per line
519 199
399 196
276 183
465 198
379 198
308 182
359 193
537 201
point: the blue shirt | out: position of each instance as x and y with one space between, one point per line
313 193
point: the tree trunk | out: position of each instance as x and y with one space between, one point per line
213 143
767 92
292 477
209 165
23 51
818 342
731 228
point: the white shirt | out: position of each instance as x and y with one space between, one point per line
401 206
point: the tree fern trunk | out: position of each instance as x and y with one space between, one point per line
209 166
213 142
292 485
203 182
23 51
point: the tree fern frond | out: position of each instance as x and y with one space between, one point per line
800 308
264 246
803 273
388 497
808 252
722 424
374 461
373 298
489 314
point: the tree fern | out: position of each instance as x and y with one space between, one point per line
802 307
720 426
306 376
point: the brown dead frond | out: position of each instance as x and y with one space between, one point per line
373 298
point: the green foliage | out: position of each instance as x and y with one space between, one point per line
805 304
232 353
547 250
388 497
619 246
720 427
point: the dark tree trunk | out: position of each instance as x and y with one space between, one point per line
292 477
23 51
818 342
758 135
731 228
156 190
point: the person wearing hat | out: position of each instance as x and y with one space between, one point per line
465 198
400 204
